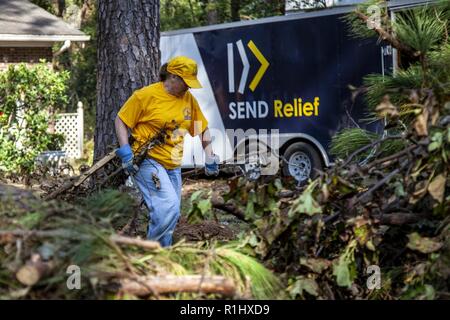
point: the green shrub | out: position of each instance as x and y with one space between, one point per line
29 99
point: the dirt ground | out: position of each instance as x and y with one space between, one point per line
226 227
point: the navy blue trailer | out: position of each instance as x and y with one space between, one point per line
289 73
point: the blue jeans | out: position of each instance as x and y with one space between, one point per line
163 203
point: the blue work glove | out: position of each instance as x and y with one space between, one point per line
126 155
212 165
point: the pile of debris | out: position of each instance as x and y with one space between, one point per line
57 250
377 224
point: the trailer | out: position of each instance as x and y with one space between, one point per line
280 86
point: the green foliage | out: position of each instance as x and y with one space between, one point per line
349 140
305 204
391 211
344 268
420 29
360 28
199 207
439 63
378 85
80 61
83 70
263 283
109 203
301 286
252 9
29 98
45 4
181 14
423 244
226 260
86 242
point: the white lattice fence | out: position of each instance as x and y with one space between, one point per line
72 126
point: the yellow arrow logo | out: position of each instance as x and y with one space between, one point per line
262 69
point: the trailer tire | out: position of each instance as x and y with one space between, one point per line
304 162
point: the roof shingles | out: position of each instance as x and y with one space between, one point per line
19 18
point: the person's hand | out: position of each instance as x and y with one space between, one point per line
126 155
212 165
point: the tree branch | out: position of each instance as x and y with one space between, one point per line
386 36
146 285
231 208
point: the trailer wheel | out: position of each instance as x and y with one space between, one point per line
303 162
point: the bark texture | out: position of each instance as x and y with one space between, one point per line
128 59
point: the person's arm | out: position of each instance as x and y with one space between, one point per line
205 138
121 131
211 160
124 152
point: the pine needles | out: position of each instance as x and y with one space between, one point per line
421 29
61 235
349 140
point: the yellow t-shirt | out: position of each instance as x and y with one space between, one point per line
150 108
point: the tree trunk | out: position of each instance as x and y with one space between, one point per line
235 7
209 8
59 6
85 8
128 59
279 6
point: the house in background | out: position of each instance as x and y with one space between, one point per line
28 33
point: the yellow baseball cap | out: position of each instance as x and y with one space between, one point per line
185 68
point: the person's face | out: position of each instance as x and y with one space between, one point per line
178 86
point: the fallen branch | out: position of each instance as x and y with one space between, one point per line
146 285
386 36
288 193
69 234
78 181
364 148
364 197
399 218
147 244
392 157
98 165
231 208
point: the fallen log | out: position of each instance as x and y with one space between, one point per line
147 244
146 285
33 271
